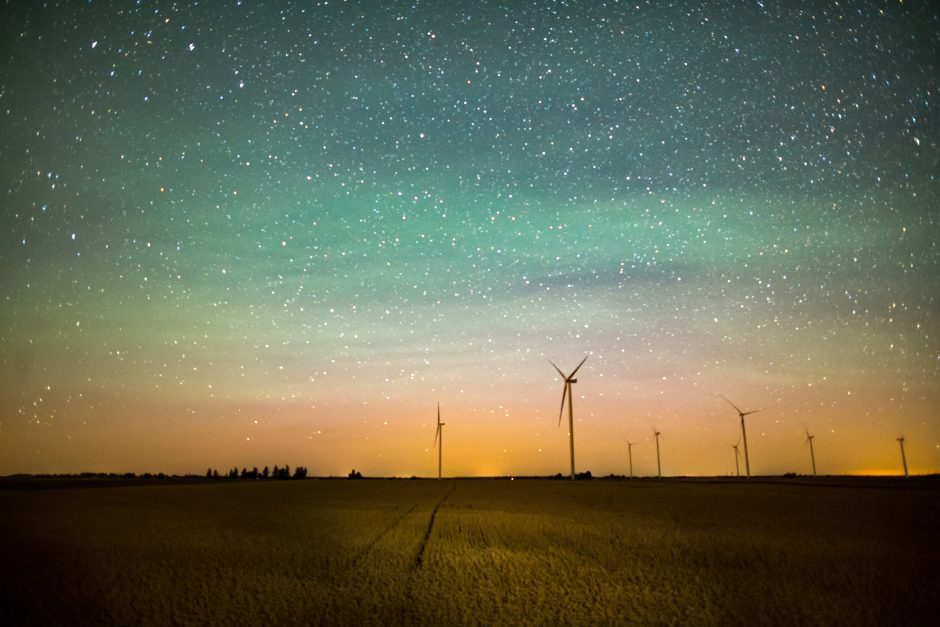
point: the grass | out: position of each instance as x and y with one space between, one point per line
472 552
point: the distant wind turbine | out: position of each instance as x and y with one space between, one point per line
737 456
439 439
659 468
630 455
569 380
812 454
742 414
903 457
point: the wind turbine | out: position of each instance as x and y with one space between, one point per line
903 457
812 454
569 380
439 439
659 468
630 455
742 414
737 456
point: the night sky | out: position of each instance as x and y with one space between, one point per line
247 234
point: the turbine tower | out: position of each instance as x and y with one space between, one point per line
812 454
903 457
737 456
569 380
439 439
659 468
630 455
742 414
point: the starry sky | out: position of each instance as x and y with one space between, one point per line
263 233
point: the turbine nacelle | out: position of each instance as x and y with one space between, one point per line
569 381
742 414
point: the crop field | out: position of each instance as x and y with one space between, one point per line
424 552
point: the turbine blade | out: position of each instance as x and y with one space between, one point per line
561 410
748 413
437 433
575 371
438 413
560 373
730 403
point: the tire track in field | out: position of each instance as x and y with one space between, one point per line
361 554
419 559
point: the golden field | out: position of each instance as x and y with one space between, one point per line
470 551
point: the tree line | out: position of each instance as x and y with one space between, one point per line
300 472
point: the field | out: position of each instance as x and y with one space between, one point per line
471 552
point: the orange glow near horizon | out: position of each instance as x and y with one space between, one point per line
394 437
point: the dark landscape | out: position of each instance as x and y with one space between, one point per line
836 550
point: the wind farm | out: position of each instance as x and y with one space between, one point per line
258 259
442 545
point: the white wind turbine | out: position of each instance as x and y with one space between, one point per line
812 453
737 456
439 439
659 468
742 414
630 455
903 456
569 380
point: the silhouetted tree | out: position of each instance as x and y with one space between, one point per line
265 473
300 472
355 474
